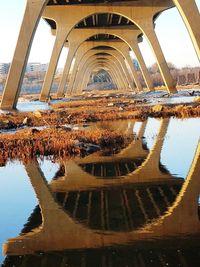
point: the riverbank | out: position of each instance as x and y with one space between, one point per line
60 131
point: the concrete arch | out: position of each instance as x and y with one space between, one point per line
83 49
148 171
14 81
118 66
65 25
129 36
105 65
112 72
97 71
146 27
113 53
110 65
78 36
100 66
119 46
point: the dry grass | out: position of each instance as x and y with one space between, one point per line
55 143
95 113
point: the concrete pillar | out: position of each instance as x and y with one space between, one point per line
70 56
61 35
162 64
144 70
190 15
134 73
71 83
29 25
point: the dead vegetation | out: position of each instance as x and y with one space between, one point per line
56 143
86 111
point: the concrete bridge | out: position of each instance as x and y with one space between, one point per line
84 25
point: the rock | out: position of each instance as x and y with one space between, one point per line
90 148
6 122
157 108
120 108
35 130
28 131
26 121
67 128
37 114
110 104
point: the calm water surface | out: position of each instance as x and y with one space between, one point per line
138 207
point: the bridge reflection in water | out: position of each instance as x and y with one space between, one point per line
138 214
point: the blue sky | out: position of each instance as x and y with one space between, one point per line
170 29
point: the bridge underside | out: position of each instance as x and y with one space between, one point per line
85 24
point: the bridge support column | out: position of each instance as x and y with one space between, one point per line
125 50
191 17
124 67
123 73
70 56
144 70
29 25
162 64
61 35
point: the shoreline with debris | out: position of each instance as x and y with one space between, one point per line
61 130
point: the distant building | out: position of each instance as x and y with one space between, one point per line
36 67
4 68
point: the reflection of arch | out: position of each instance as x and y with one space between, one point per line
158 255
60 232
122 163
148 171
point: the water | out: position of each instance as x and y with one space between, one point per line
108 200
35 105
